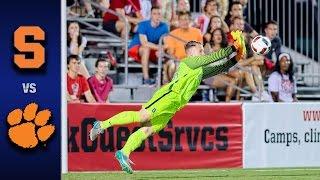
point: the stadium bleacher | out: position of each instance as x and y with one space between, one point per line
100 41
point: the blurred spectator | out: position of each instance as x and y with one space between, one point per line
77 86
175 47
75 41
87 5
211 8
100 84
168 9
244 4
282 84
218 41
71 3
271 31
215 23
182 6
236 10
128 8
224 4
185 33
76 44
144 44
245 8
103 3
146 9
251 63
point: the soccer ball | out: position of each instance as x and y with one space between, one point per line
261 45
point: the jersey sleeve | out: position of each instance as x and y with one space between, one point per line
217 68
195 62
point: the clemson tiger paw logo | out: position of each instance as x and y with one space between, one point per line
27 128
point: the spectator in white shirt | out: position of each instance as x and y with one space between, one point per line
282 84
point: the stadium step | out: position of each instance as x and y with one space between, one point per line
122 93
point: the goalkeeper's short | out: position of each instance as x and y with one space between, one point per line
162 106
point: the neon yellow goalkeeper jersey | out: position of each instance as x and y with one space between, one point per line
192 70
175 95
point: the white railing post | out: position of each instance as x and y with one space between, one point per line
126 70
307 28
289 25
284 22
318 49
278 4
295 26
260 10
272 9
301 30
318 20
63 119
313 33
160 57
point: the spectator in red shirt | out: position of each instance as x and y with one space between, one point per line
77 85
128 8
100 84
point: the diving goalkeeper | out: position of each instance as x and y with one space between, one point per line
156 113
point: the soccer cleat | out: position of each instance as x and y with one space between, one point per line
124 162
95 131
239 43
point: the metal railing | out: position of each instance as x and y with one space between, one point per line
126 38
162 54
299 26
299 22
299 29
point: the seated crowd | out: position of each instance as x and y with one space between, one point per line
150 20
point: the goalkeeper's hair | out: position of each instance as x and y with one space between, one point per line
191 44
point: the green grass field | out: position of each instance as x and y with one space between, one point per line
234 174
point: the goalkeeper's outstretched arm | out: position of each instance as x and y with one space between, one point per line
195 62
218 67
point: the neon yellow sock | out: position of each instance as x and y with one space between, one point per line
134 141
126 117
